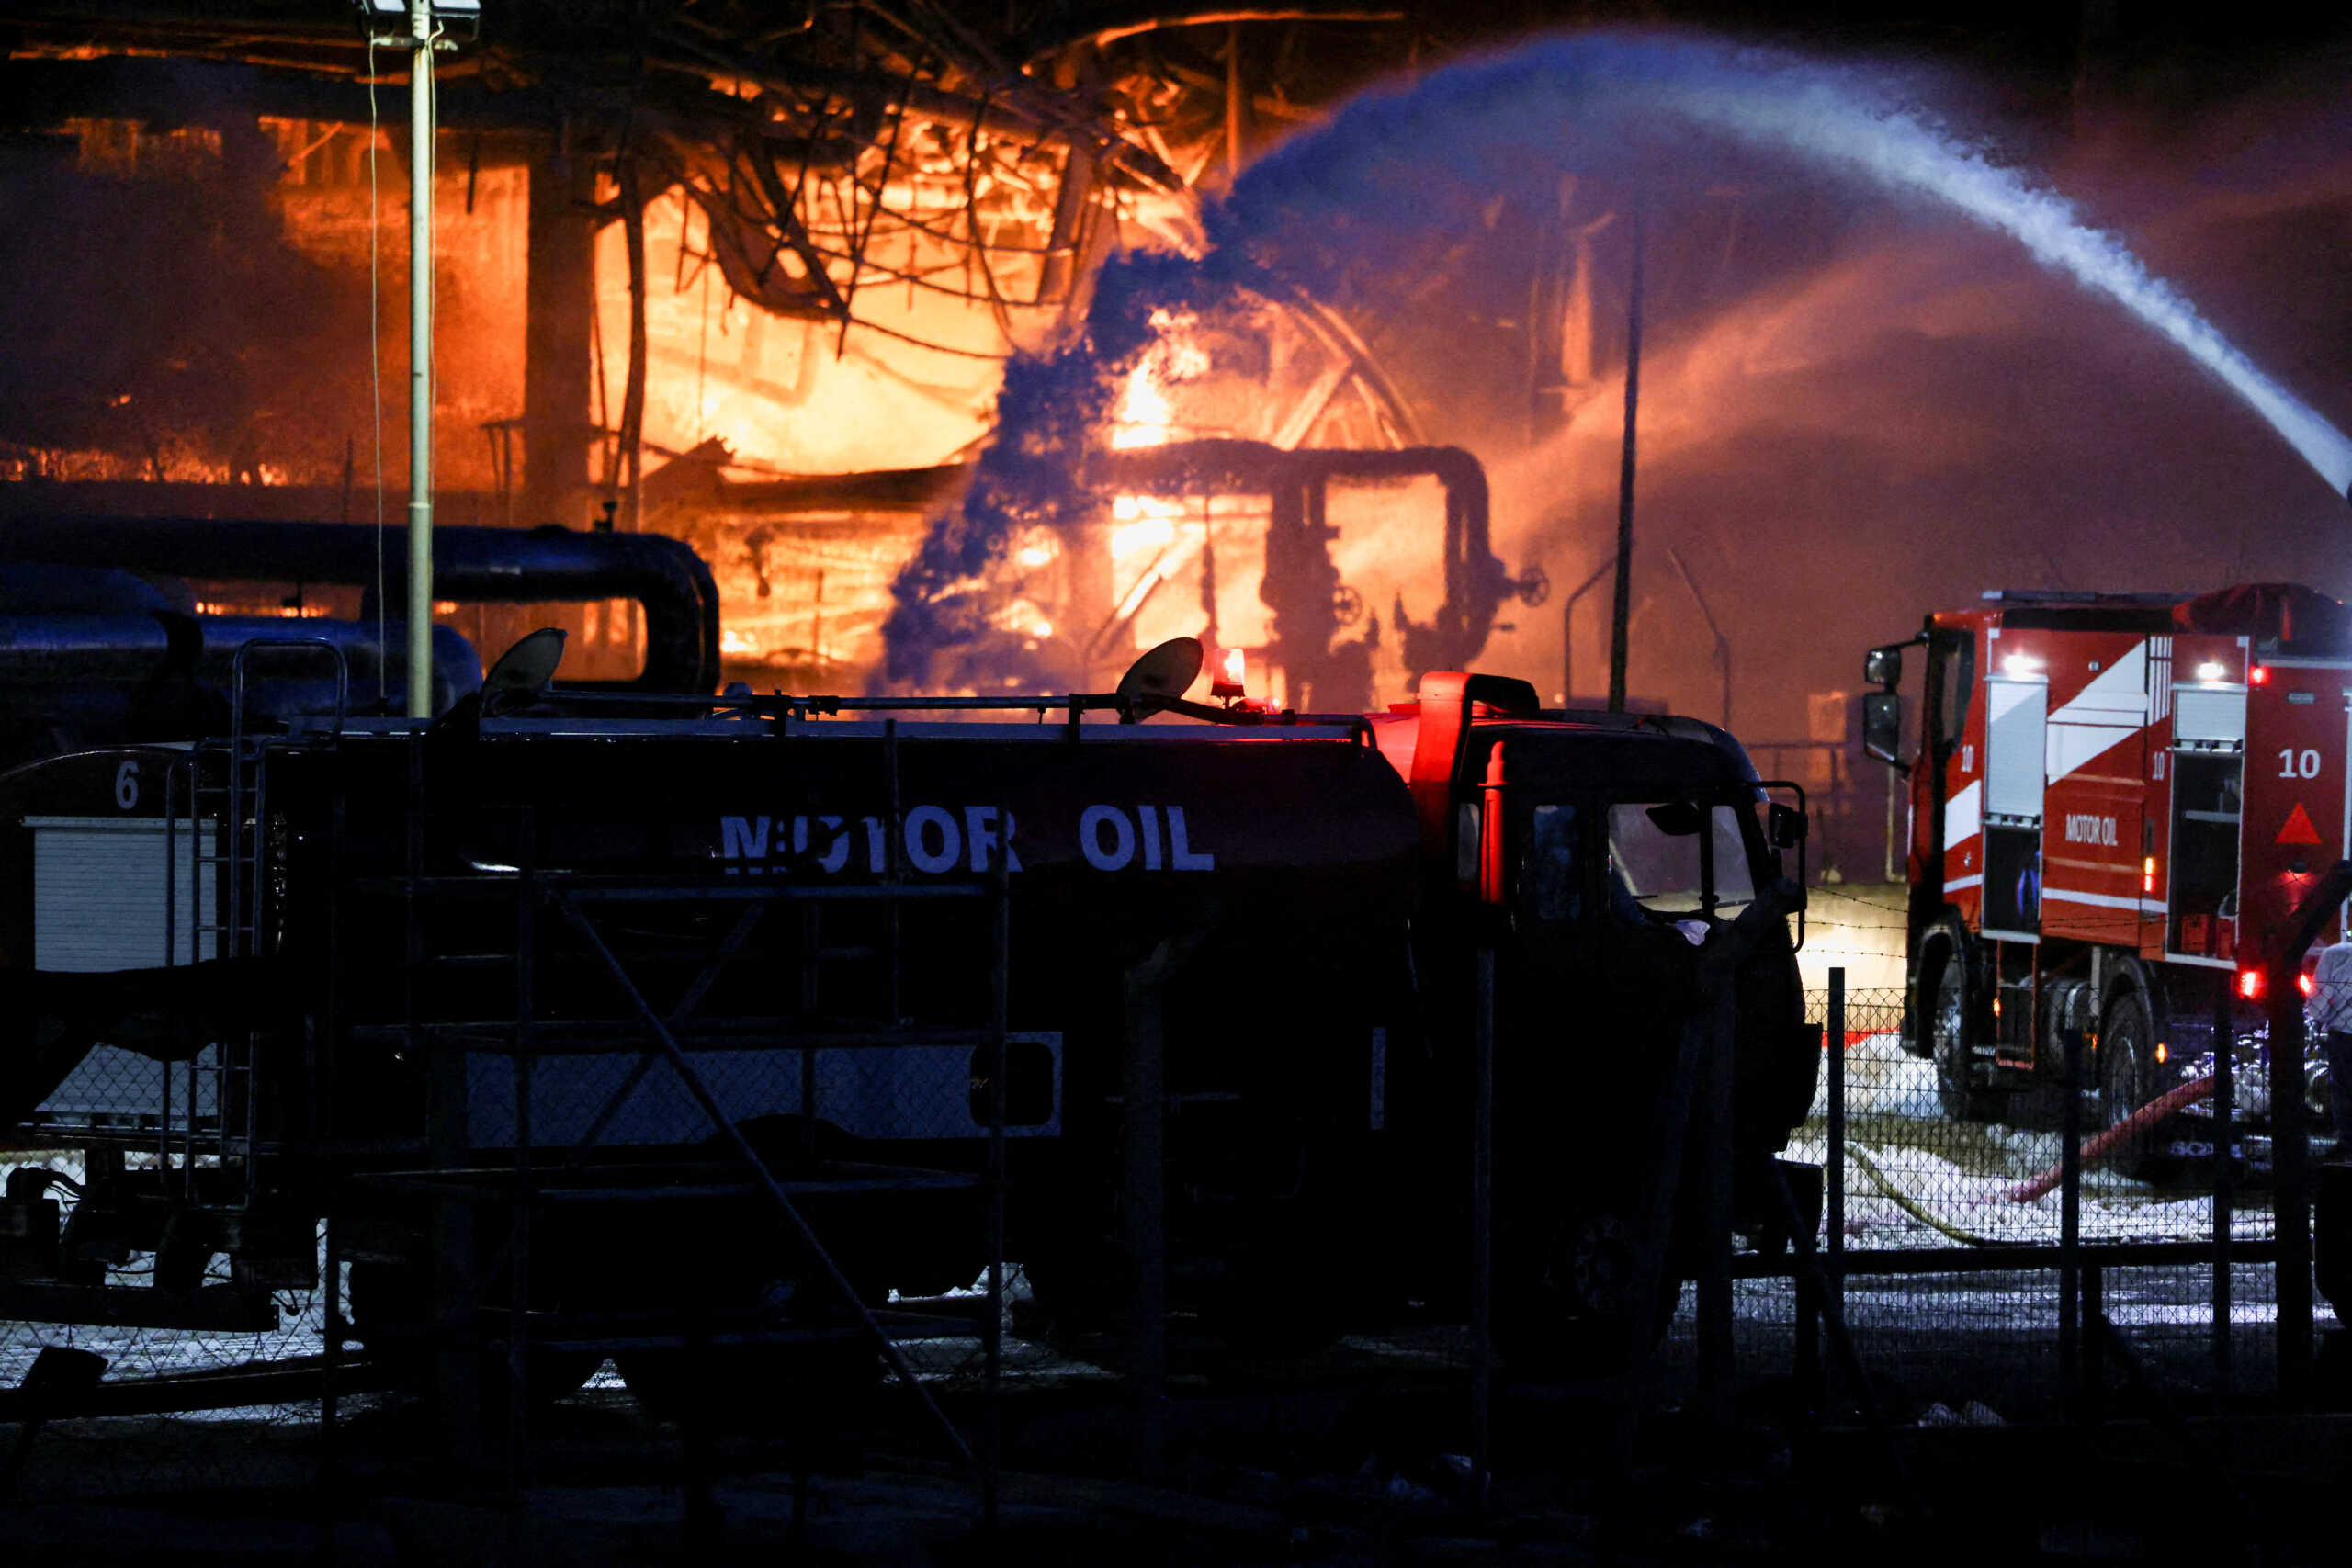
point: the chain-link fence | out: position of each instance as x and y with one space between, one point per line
1945 1228
1953 1221
158 1443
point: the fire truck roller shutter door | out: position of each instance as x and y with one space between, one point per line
2016 755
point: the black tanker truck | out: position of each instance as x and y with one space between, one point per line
396 966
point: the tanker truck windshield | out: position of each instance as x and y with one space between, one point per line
1661 862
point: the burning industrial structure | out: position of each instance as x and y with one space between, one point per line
854 421
774 292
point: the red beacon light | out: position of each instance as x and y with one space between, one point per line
2258 676
2304 984
2250 984
1225 683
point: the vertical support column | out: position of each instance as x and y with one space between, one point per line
557 337
992 1326
453 1294
1482 1218
1144 1208
518 1350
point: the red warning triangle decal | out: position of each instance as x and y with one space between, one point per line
2298 829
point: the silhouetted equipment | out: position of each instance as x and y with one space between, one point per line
1160 675
1302 583
522 674
781 989
93 654
50 1021
506 566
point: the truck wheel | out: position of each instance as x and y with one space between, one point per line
2126 1078
1963 1099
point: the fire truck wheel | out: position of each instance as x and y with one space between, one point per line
2127 1077
1961 1099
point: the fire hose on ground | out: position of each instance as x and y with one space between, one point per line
2123 1132
2093 1150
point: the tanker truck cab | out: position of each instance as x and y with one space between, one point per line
1599 854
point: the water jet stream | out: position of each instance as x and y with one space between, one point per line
1834 117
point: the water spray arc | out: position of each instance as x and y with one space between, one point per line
1835 118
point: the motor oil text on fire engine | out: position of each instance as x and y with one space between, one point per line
938 838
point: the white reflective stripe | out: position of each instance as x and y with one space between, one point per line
2101 717
2115 693
1964 816
2101 900
2200 963
1963 884
2072 746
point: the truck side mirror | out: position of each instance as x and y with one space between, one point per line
1882 667
1785 826
1882 729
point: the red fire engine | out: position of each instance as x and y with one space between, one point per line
2117 799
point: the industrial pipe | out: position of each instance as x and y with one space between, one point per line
470 566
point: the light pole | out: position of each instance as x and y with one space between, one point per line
1623 608
420 359
422 39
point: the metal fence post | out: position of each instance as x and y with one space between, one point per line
2225 1129
2070 1219
2290 1154
1834 1191
2291 1182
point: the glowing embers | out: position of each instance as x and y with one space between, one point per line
1024 619
1144 523
265 611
